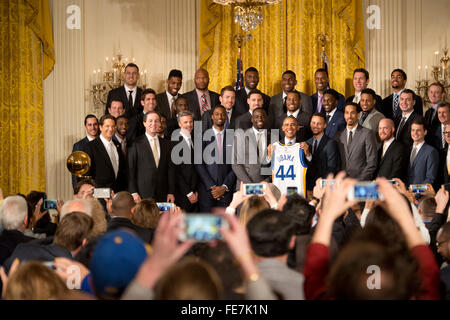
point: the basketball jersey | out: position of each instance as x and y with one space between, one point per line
289 167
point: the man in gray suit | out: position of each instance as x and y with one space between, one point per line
249 150
369 117
357 146
278 102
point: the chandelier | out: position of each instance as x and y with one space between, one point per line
248 13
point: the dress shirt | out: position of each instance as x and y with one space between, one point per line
208 99
406 116
312 146
386 145
89 138
353 132
286 141
357 97
133 94
418 147
186 138
294 114
331 114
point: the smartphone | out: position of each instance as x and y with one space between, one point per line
393 182
363 191
49 264
254 189
325 182
418 188
49 204
202 227
104 193
165 206
291 191
447 186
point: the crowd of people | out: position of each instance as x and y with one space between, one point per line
198 150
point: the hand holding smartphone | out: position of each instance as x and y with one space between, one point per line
363 191
251 189
165 206
50 204
102 193
202 227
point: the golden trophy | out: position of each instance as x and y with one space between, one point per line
78 163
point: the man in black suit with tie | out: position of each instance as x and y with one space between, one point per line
120 136
251 80
293 106
255 100
322 153
151 171
392 155
436 94
403 123
167 98
278 101
129 93
435 136
228 100
360 82
390 105
136 123
181 104
201 99
186 191
322 83
108 165
216 177
334 118
91 126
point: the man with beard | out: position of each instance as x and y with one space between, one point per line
120 137
251 80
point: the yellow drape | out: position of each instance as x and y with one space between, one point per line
27 57
286 39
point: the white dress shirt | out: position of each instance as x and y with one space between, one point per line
150 138
133 94
294 114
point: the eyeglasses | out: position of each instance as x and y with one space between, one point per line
438 244
447 133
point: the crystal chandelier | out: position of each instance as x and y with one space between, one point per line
248 13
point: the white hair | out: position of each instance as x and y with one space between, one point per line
80 205
13 212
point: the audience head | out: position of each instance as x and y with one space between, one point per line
116 108
368 100
251 77
163 126
288 81
360 79
351 114
386 129
76 205
293 101
122 126
436 93
321 80
122 204
255 99
427 208
271 233
300 213
227 97
443 241
398 79
330 100
443 113
318 124
98 215
14 213
418 130
290 127
186 121
181 104
146 214
201 79
259 118
148 100
250 207
84 189
174 81
131 75
107 126
152 123
73 231
190 279
218 117
91 125
407 101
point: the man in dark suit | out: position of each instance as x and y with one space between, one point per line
251 80
228 100
201 99
322 83
357 146
167 98
444 160
360 82
108 165
408 115
186 191
151 171
322 153
278 101
293 106
435 136
334 118
392 155
436 94
181 104
91 126
255 100
136 122
423 158
390 105
129 93
216 177
120 136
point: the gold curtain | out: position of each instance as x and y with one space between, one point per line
27 57
286 39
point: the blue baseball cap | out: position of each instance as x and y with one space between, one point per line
115 261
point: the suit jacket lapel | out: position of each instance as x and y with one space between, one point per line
104 152
418 155
355 139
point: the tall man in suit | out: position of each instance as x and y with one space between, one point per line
294 109
251 80
408 99
444 159
136 122
129 93
165 100
369 116
357 146
216 177
423 158
249 150
108 165
151 171
201 99
322 153
334 118
278 101
435 136
390 105
254 100
186 191
228 100
322 83
91 126
392 155
360 82
436 94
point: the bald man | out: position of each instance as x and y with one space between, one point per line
392 155
201 99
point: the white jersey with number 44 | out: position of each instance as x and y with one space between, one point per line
289 167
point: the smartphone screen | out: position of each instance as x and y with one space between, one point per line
364 192
165 206
49 204
254 189
418 188
324 183
103 193
291 191
202 227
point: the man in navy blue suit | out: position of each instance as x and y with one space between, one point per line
322 84
423 158
216 177
334 118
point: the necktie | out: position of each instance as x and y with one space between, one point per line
155 151
290 143
384 150
130 99
191 145
396 102
413 156
227 122
363 117
319 103
328 118
259 144
400 127
284 104
123 146
172 107
448 163
443 136
433 113
350 139
314 146
219 143
204 103
112 155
